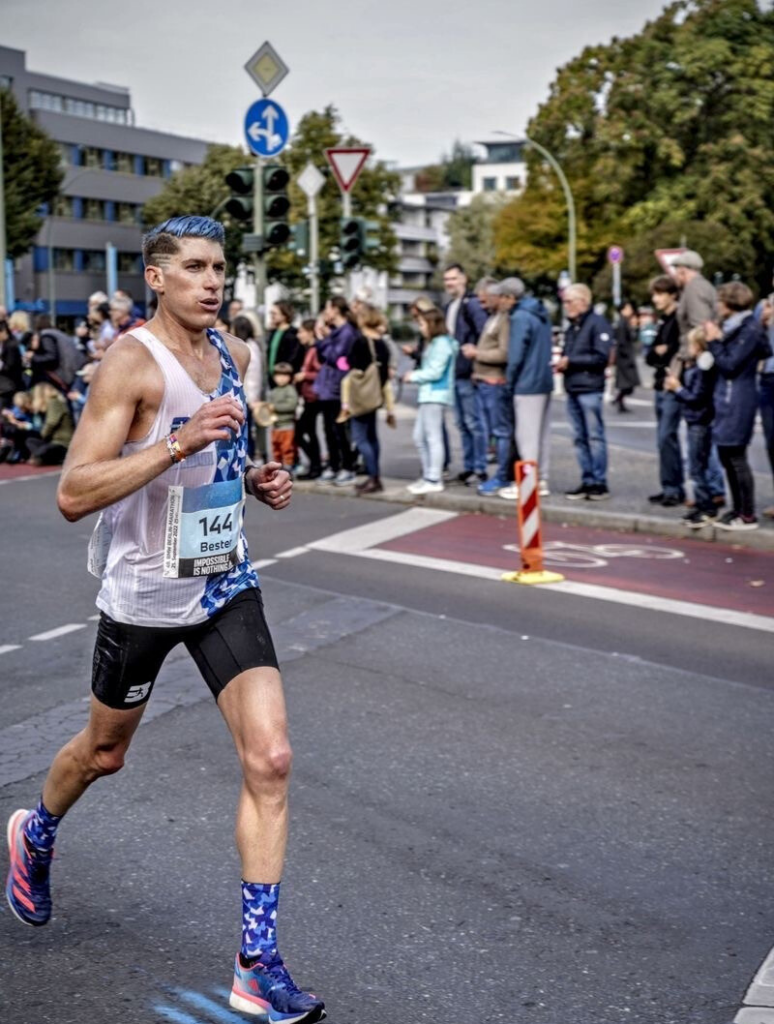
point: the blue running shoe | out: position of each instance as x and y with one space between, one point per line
27 889
268 991
491 487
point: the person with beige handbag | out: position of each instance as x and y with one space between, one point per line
363 393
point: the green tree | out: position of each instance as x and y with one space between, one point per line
454 170
202 189
32 174
665 135
471 237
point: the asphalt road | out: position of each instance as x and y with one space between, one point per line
508 804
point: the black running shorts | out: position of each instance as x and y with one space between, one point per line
127 658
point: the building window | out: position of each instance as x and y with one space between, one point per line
513 184
124 163
175 166
126 213
94 209
6 82
63 206
154 167
92 157
129 263
64 259
489 184
94 261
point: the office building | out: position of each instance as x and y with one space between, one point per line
112 167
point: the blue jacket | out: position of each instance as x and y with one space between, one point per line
471 318
587 344
436 374
330 350
737 356
695 396
529 349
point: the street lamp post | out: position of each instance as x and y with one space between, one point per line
572 230
2 218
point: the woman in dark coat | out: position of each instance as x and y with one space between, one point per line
737 346
11 369
627 377
283 346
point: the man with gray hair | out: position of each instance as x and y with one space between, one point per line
530 379
122 313
493 404
585 356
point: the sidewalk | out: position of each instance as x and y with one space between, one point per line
633 474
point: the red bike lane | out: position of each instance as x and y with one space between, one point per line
717 575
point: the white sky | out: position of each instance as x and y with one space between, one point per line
408 76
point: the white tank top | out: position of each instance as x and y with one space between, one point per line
131 533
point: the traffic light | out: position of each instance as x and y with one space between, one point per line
371 240
351 241
299 238
276 205
241 183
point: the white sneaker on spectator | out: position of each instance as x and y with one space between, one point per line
327 475
510 493
412 488
543 489
428 487
344 477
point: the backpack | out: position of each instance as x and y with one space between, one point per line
71 359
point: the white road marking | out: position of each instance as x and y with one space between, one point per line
52 634
5 648
361 542
291 552
94 618
380 531
263 563
32 476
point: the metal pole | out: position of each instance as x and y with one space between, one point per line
259 260
314 254
2 217
570 203
346 206
616 284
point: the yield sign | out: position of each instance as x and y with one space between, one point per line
665 258
347 163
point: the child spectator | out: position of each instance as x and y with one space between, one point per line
695 397
283 399
17 427
738 346
436 391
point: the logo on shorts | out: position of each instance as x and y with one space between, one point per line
136 693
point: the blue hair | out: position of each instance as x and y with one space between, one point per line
182 227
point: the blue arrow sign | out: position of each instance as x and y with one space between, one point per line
266 128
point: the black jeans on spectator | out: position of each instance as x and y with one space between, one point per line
340 454
306 435
733 459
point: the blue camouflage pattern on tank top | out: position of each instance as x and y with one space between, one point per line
231 456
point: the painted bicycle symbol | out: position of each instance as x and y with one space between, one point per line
596 556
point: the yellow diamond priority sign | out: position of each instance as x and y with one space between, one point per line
266 68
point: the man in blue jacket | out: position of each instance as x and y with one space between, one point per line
529 376
465 319
586 354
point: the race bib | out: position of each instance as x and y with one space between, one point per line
204 529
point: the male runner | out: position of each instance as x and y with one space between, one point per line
161 449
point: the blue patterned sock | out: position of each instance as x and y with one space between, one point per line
40 828
259 920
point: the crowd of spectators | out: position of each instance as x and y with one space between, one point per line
488 353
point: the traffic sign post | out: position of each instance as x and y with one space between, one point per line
266 132
615 255
310 181
346 163
666 258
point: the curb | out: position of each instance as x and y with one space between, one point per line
629 522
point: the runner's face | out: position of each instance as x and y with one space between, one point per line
193 280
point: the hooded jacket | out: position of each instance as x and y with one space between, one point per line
329 351
737 354
529 349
